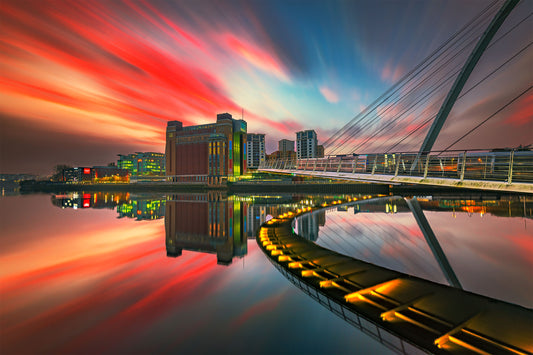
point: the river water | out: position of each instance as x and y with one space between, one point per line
145 273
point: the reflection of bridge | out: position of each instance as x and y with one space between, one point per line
376 145
395 308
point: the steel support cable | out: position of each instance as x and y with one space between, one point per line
369 235
421 66
347 126
435 66
399 116
479 82
361 232
422 125
470 89
463 94
488 118
422 100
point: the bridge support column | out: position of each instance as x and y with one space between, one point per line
510 177
397 165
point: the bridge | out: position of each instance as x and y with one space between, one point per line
373 146
403 312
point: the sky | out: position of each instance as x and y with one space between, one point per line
83 81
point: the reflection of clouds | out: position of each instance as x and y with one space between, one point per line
489 255
390 240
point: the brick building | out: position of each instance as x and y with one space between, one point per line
209 153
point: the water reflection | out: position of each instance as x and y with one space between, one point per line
108 262
206 223
477 243
210 222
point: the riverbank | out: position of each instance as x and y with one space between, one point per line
257 186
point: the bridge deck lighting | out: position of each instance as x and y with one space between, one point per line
295 265
326 284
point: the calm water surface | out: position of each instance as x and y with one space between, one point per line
110 273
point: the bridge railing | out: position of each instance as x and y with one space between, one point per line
506 165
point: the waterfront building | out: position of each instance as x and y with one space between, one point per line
320 151
109 174
143 163
286 155
286 149
286 145
78 174
208 153
255 150
96 174
306 143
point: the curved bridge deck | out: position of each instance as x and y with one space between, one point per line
430 316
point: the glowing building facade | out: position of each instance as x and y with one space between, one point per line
143 164
209 153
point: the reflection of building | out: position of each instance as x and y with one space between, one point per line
142 209
140 164
256 216
90 200
208 223
206 153
255 150
95 174
306 143
308 224
127 206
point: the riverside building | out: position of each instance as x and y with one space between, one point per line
255 150
306 144
143 164
209 153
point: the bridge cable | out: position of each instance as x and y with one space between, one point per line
424 123
407 96
413 106
414 73
521 51
491 116
421 66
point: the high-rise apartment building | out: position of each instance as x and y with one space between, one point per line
255 150
208 153
306 143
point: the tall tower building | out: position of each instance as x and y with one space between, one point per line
208 153
306 144
255 150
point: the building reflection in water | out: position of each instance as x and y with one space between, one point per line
211 222
207 223
131 206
